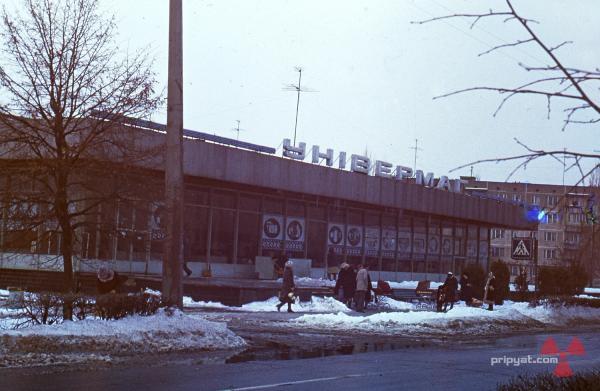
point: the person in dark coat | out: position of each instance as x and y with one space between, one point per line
450 287
345 285
466 290
489 295
107 280
287 289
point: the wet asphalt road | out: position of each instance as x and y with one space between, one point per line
447 367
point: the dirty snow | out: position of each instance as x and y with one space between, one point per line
316 305
461 319
166 331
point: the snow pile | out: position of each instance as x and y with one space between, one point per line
586 297
408 284
188 302
389 304
317 304
4 292
311 282
461 319
166 331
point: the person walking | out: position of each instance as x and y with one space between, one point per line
451 286
287 288
362 285
489 294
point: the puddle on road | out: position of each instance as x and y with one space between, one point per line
276 351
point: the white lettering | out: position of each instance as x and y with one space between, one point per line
297 153
316 155
342 160
383 169
403 172
360 164
425 180
444 183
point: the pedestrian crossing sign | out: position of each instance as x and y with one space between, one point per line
522 248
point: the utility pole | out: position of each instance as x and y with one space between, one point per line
172 284
416 149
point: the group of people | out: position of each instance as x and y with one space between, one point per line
353 286
447 292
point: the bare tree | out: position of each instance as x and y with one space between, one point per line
64 88
555 81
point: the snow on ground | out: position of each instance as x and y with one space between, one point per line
409 284
461 319
166 331
587 297
513 287
4 292
316 305
592 290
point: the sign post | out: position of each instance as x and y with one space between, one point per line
525 249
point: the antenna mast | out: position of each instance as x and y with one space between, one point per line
298 89
416 149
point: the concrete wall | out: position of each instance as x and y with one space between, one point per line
228 164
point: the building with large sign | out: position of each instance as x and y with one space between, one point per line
244 201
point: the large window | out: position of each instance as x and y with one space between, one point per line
223 223
248 237
195 222
433 247
316 236
404 244
419 238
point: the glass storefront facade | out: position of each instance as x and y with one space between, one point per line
232 226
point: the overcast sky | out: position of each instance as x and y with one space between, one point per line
375 75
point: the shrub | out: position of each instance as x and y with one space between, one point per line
502 276
117 306
47 307
476 277
562 280
548 381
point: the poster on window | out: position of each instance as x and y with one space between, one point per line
294 233
419 243
354 240
434 245
446 245
272 232
335 237
404 243
388 243
372 241
157 221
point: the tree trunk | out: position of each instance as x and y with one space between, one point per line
66 247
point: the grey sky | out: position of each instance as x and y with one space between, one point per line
375 73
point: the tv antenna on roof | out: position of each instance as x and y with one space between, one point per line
416 148
237 129
297 88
